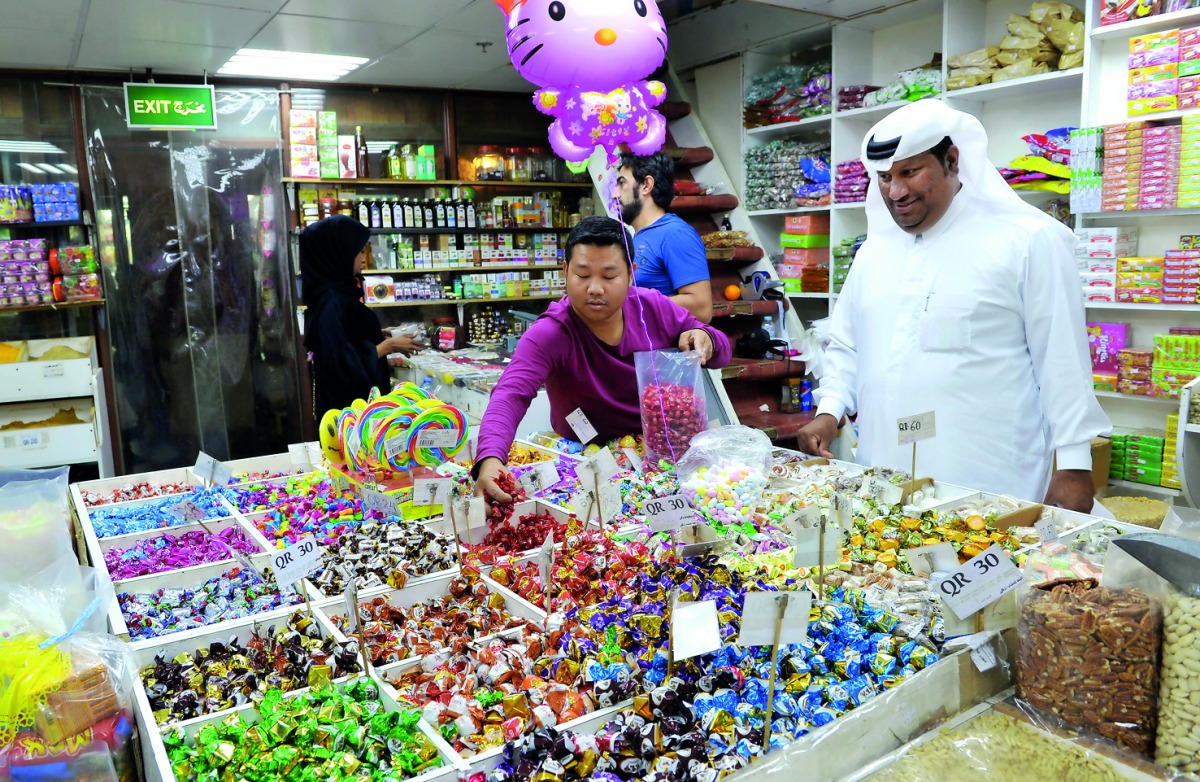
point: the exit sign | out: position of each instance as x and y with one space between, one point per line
170 107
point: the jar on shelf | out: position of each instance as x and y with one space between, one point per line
489 164
408 162
518 165
542 163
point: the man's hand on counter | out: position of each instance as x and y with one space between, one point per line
1073 490
490 469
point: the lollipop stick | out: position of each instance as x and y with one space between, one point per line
599 503
821 562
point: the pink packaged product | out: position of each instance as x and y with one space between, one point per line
1154 89
1189 83
1097 266
1161 56
1139 295
1171 298
1185 252
1189 100
1190 331
1189 53
1100 295
1189 36
1105 341
1136 387
1185 291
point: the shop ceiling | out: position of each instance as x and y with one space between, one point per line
418 43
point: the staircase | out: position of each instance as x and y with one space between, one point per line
746 384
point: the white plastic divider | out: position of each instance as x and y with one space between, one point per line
188 578
158 765
430 589
241 630
34 377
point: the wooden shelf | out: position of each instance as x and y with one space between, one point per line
1149 24
443 302
1162 400
732 309
785 129
723 202
795 210
435 231
433 183
1138 214
510 267
1116 305
762 369
1149 487
62 305
1029 86
48 224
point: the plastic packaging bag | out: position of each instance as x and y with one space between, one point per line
65 699
1000 748
674 408
980 58
724 473
1087 655
35 528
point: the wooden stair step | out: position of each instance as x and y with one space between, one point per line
732 309
690 157
675 109
721 202
735 254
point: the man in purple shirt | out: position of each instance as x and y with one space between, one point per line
582 350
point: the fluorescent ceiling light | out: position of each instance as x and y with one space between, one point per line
29 147
49 168
68 168
290 65
34 169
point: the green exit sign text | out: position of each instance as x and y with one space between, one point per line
170 107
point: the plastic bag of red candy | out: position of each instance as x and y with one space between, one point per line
672 399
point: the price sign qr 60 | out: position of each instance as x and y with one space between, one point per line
915 428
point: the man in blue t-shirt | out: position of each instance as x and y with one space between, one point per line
667 251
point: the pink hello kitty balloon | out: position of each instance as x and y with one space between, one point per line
590 58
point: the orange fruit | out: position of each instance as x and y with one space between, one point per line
732 293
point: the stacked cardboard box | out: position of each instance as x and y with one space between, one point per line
805 243
1138 456
1153 73
1140 280
1096 257
1122 172
302 130
1189 158
1176 362
1106 340
1170 468
1181 276
327 144
1135 371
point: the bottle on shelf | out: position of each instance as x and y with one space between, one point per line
471 215
385 208
451 214
409 216
397 214
408 160
376 214
439 211
360 153
362 212
393 162
427 208
726 225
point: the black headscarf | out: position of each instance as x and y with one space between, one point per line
327 252
340 331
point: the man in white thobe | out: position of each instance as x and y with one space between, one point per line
964 300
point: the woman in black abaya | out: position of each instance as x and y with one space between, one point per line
349 349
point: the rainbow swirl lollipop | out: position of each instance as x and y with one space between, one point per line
439 418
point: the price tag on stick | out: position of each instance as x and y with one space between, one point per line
913 429
884 491
546 571
761 610
205 465
297 561
431 491
985 578
383 503
1047 530
668 513
581 426
694 629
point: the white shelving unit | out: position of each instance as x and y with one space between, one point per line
870 50
39 388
